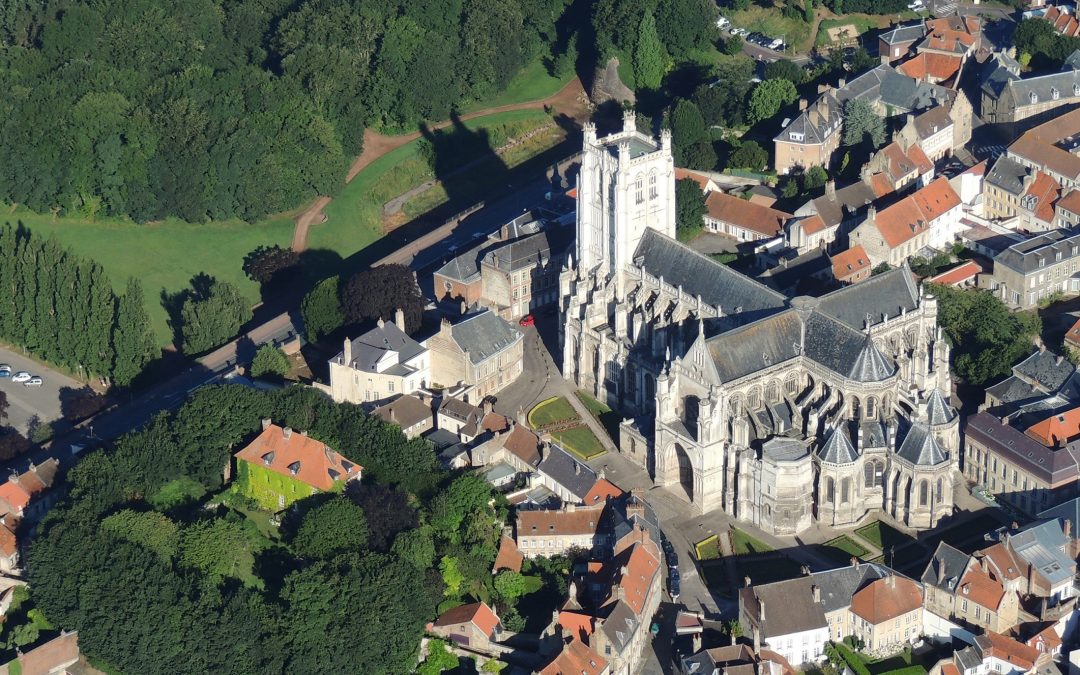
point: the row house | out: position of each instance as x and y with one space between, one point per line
829 218
551 532
742 219
1021 193
902 163
380 364
1016 102
1034 269
980 590
929 218
1049 147
479 351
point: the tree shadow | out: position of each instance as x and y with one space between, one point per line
198 288
79 404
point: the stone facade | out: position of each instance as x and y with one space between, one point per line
774 410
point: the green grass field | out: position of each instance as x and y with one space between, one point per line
581 441
708 548
862 23
531 84
553 410
881 535
603 414
771 22
741 543
165 255
843 547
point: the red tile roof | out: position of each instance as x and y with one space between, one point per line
641 567
922 162
1002 562
50 657
747 215
1063 22
600 491
581 626
478 614
949 669
1046 640
299 456
1072 336
978 170
14 494
575 658
544 522
958 274
936 66
509 557
981 588
849 262
813 224
1046 192
8 543
1007 649
698 178
1056 428
885 599
914 214
1070 202
880 184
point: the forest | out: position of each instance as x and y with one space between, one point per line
176 573
213 109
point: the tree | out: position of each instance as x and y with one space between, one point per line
321 309
149 529
687 127
700 155
451 576
379 292
415 547
685 25
13 444
269 361
510 585
689 208
733 45
269 264
768 97
212 316
133 338
565 63
861 60
334 526
219 548
784 69
439 659
750 155
650 61
863 125
814 178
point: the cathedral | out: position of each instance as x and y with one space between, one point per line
779 411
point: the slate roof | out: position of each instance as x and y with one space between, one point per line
1041 545
1045 369
945 567
920 447
1069 511
1024 256
837 448
938 409
894 89
1015 446
1008 175
889 293
620 625
1042 86
404 411
464 267
817 123
783 449
788 275
483 334
374 344
1012 389
562 468
902 34
871 365
834 209
716 283
838 585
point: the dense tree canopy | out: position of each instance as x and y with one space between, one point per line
198 590
689 209
1046 47
212 315
863 125
210 109
768 97
379 292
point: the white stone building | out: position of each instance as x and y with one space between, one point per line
772 409
380 364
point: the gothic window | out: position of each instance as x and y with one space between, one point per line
735 403
791 384
639 195
868 474
830 490
940 496
612 371
924 489
773 392
753 400
855 412
871 404
845 490
652 186
879 474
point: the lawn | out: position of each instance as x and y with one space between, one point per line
842 548
882 535
901 663
767 571
581 441
742 543
556 409
165 255
531 84
708 549
771 22
177 492
603 414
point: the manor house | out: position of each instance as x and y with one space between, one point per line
777 410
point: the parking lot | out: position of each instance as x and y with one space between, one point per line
26 403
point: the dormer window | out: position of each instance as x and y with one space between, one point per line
294 468
1042 262
796 137
1057 258
1075 249
1034 97
1076 90
1029 202
1054 93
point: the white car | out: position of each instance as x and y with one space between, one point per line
21 376
34 381
5 368
722 22
742 32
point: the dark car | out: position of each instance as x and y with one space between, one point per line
673 589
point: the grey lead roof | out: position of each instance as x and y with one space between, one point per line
938 409
920 447
945 567
783 449
1045 369
838 449
372 345
1041 545
909 33
891 292
838 585
576 477
483 334
1065 83
1007 174
871 365
1011 389
698 275
1024 256
620 625
1069 511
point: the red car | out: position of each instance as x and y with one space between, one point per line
527 320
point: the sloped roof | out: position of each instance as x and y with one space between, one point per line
1041 545
837 448
575 658
904 34
1070 202
699 275
601 491
404 411
915 213
1044 191
298 456
1057 428
871 365
920 447
1006 649
523 444
701 179
958 274
945 567
580 625
887 293
484 334
886 599
937 66
620 625
1007 174
784 607
385 337
573 475
509 556
560 522
850 261
1040 461
633 571
938 410
1045 369
477 613
820 120
746 214
812 224
981 588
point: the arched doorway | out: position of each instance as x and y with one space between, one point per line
686 471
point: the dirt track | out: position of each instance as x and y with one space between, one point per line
568 101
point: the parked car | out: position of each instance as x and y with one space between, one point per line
5 368
742 32
673 588
21 376
722 22
34 381
527 320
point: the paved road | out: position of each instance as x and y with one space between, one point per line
27 403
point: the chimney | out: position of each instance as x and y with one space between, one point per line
393 416
817 593
757 640
521 415
346 354
891 580
380 323
871 213
286 433
983 564
1058 360
577 469
1066 527
444 326
266 423
696 642
399 319
842 83
803 104
830 189
854 561
487 406
746 582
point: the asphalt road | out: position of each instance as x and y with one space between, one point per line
26 403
